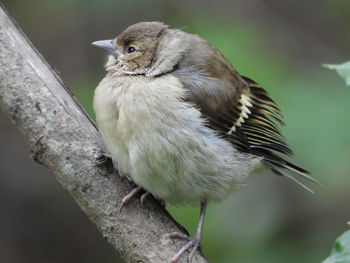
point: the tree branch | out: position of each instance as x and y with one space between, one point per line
65 140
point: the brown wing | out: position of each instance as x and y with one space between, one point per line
261 130
254 129
250 120
257 115
236 107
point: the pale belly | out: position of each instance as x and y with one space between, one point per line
161 142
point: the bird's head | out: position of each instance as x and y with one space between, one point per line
147 48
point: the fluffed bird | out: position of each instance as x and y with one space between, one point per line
182 123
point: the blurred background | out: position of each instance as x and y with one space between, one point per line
281 45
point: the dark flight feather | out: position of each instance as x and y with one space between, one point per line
250 123
237 108
263 135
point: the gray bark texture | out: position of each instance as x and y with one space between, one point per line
65 140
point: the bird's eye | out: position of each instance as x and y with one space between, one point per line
131 49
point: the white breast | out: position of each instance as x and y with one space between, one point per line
162 142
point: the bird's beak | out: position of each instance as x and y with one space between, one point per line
106 45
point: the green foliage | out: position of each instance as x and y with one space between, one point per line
341 250
342 69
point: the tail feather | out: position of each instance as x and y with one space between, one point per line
278 172
277 164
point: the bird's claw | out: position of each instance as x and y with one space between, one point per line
132 194
129 196
194 243
178 235
143 197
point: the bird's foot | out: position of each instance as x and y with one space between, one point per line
143 197
132 194
192 243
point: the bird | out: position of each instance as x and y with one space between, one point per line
182 123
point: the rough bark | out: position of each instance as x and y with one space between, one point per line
65 140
